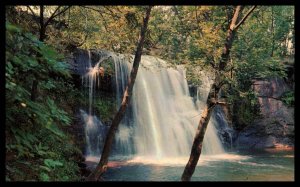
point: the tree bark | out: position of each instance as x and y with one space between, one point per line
272 31
229 39
212 98
43 25
102 165
198 140
34 87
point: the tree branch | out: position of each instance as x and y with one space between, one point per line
55 15
112 13
212 63
52 15
244 18
104 21
31 11
103 12
222 103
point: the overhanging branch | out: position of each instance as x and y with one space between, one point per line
244 18
31 11
55 15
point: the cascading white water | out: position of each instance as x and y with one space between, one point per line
162 118
211 142
93 126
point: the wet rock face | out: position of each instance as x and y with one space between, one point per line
272 88
226 133
276 124
269 93
80 61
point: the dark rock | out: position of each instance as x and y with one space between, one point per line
226 134
270 88
276 124
79 63
85 172
193 91
81 164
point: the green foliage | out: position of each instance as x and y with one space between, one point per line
52 163
34 128
105 107
288 98
256 52
245 108
44 177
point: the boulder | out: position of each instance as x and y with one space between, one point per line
275 126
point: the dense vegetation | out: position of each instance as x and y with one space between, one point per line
36 141
39 140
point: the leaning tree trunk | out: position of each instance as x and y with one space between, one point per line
102 165
212 97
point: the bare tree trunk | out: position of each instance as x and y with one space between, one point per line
34 88
102 165
229 39
272 31
212 97
43 26
198 140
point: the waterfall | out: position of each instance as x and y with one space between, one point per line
162 119
164 116
94 129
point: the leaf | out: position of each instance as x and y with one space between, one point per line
7 178
44 177
53 128
52 163
11 27
45 168
65 178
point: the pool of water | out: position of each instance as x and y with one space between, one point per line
235 166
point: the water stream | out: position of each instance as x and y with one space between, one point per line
154 139
162 119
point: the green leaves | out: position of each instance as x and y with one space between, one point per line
26 59
288 98
54 129
44 177
57 114
34 128
25 142
52 163
49 165
41 150
60 68
12 28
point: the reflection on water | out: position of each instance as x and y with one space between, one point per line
181 161
244 166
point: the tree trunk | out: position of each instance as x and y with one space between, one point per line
211 101
272 31
198 140
229 39
34 87
102 165
42 31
